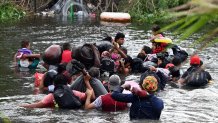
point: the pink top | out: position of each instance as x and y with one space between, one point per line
48 100
66 56
132 84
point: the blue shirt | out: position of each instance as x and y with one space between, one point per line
149 107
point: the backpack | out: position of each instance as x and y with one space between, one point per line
182 54
107 64
65 98
196 78
87 54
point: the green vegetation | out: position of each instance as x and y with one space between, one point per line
202 15
10 12
149 10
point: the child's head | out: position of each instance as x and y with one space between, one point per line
147 49
25 44
155 29
66 46
119 38
60 79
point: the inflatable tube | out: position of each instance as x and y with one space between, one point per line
163 40
52 55
115 17
119 24
96 84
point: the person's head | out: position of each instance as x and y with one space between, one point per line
62 67
155 29
66 46
128 61
150 84
60 79
176 61
142 56
119 38
147 49
94 72
114 82
25 44
195 60
169 66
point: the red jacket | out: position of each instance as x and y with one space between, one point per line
109 104
66 56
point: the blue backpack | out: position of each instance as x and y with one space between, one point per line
65 98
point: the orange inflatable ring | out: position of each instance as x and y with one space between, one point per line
115 17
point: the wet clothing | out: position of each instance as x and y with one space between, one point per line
26 62
196 76
149 107
96 84
106 103
66 56
48 100
24 51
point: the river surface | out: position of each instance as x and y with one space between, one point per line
181 105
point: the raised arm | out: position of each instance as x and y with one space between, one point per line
87 79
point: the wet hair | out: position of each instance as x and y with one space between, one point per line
24 43
174 72
156 28
61 67
128 60
94 72
119 35
66 46
176 61
60 79
147 49
108 38
142 56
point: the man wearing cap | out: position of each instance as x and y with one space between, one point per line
145 106
195 75
105 102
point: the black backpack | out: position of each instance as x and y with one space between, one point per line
107 64
196 78
65 98
182 54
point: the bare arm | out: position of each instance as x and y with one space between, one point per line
31 56
34 105
116 46
88 104
87 79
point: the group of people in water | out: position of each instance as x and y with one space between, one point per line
73 77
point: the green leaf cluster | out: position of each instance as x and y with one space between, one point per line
10 11
193 20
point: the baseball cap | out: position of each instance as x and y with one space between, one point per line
195 60
114 82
